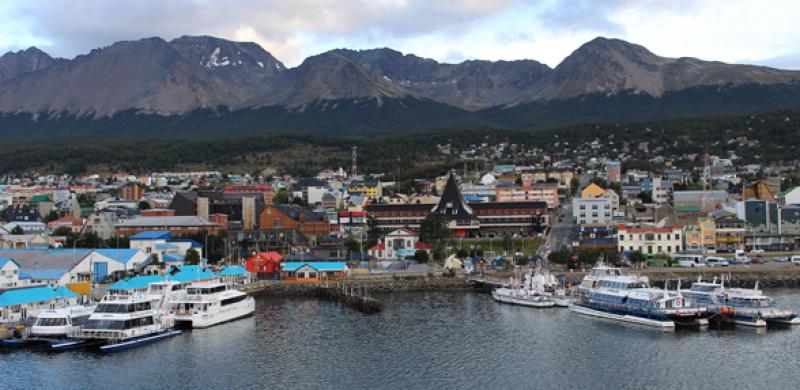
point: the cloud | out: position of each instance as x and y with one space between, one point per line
67 28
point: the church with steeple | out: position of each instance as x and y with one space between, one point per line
466 219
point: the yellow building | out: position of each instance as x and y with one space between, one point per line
702 237
592 191
730 234
368 188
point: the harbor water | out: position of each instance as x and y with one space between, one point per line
437 340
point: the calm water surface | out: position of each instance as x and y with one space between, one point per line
428 340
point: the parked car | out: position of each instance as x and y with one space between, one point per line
690 261
781 259
795 260
757 252
716 262
740 257
758 260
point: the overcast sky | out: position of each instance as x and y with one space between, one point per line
765 32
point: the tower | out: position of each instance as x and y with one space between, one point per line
354 169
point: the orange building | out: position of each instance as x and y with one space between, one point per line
294 217
132 191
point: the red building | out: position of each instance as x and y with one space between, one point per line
265 190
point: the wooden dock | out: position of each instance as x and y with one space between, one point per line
354 297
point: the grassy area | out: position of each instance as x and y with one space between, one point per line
528 246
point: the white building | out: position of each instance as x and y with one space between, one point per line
593 211
163 246
398 245
792 196
9 273
649 239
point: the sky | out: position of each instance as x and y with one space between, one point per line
741 31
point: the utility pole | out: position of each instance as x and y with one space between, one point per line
354 169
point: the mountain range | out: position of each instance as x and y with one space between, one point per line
206 86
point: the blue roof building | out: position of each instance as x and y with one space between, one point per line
24 296
152 235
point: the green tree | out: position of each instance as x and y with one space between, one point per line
17 230
574 185
434 228
62 231
192 257
462 253
51 216
561 256
281 197
645 197
421 256
636 257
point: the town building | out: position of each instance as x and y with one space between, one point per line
9 273
314 271
537 192
400 244
702 237
295 217
730 234
649 239
466 219
178 225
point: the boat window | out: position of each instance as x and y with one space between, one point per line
51 322
233 300
105 324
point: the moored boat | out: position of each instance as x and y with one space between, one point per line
211 303
742 306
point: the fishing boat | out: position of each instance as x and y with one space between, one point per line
522 293
607 293
742 306
211 303
126 321
545 283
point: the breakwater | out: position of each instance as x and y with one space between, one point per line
367 286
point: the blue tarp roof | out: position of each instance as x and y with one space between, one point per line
233 270
122 255
317 265
172 259
165 246
34 294
153 235
42 274
190 273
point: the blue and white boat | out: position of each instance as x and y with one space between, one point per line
607 293
124 321
742 306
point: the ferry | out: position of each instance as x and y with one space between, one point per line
211 303
123 321
607 293
747 307
55 328
545 283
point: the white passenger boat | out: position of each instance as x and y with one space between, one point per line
211 303
607 293
522 293
126 321
742 306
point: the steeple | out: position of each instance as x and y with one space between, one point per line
452 204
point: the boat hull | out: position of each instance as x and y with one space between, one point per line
521 301
138 341
662 324
199 321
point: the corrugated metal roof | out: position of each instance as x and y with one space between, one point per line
154 235
122 255
35 294
4 260
233 270
317 265
42 274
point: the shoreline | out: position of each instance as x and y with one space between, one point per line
736 277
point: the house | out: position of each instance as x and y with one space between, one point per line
9 273
234 275
658 188
23 241
592 191
369 188
161 244
19 213
314 271
101 223
74 224
295 217
400 244
702 236
268 263
650 239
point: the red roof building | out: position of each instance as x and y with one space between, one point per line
264 262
